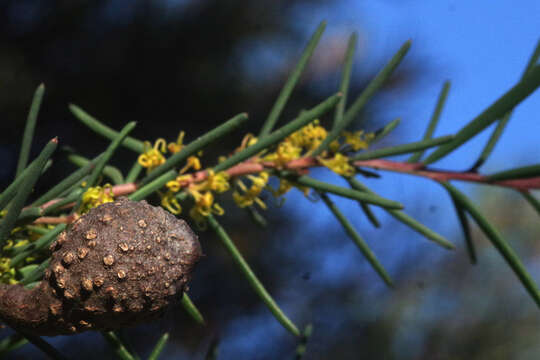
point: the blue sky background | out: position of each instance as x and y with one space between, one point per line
482 48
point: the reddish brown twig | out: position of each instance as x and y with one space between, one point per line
445 175
303 165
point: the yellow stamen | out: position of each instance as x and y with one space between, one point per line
338 164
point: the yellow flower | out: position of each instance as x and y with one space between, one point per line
7 273
176 184
96 196
338 164
21 243
358 139
284 187
309 137
169 202
204 206
193 162
153 156
214 182
9 244
285 152
251 195
334 146
178 145
248 140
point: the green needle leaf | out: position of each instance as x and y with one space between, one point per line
251 277
35 274
12 189
134 172
119 348
531 200
256 216
72 197
192 310
341 191
433 121
23 252
365 208
517 173
67 183
369 214
107 155
504 104
109 171
464 222
291 82
303 119
364 97
406 219
302 346
387 129
496 239
10 343
345 78
29 129
501 125
533 60
213 350
493 139
196 145
402 149
25 189
105 131
153 186
160 345
44 346
357 239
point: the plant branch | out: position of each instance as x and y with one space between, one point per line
303 165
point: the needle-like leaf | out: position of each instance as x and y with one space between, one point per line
192 310
29 129
160 345
27 184
496 239
251 277
375 84
402 149
345 79
303 119
501 125
406 219
105 131
504 104
196 145
517 173
433 121
357 239
291 82
117 345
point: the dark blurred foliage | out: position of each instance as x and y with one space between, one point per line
189 65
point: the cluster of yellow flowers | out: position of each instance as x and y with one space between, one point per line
21 236
299 144
96 196
7 273
153 156
251 195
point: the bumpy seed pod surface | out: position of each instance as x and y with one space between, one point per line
120 264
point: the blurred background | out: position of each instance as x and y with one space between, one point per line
176 65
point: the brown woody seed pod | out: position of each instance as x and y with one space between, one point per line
103 275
